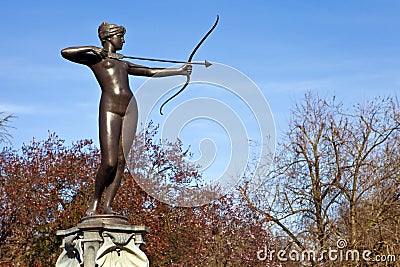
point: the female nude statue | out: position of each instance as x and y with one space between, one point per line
112 76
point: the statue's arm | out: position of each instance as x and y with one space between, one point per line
82 54
139 70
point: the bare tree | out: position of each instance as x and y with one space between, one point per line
336 175
4 126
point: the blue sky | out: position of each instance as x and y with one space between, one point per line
347 48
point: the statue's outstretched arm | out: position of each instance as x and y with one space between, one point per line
139 70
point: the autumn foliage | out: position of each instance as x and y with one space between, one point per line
46 186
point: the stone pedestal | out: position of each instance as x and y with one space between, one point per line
103 240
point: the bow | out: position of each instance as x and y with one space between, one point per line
189 61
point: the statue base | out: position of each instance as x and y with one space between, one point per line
103 240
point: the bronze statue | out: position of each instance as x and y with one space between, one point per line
112 76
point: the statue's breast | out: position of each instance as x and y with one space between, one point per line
108 63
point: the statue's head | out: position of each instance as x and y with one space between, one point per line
106 31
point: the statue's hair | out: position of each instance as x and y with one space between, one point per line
107 30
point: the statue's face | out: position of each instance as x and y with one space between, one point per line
117 41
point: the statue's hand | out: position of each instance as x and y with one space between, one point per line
186 69
100 52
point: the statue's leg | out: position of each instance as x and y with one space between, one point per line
116 182
109 131
129 124
125 142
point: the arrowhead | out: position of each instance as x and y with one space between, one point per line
207 64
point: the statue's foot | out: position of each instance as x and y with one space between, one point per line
92 210
108 210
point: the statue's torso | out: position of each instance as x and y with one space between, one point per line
112 76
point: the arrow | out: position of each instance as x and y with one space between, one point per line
121 56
